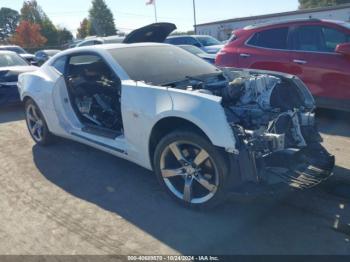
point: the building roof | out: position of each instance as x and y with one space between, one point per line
297 12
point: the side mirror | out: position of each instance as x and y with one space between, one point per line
343 49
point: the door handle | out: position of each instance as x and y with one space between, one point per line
300 62
244 55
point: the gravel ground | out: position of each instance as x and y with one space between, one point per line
72 199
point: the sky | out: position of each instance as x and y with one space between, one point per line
132 14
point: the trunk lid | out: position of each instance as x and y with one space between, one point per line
155 33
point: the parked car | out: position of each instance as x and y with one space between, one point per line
207 43
205 132
318 51
210 58
20 51
43 55
11 65
74 43
100 41
147 33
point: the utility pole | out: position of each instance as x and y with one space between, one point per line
194 16
155 11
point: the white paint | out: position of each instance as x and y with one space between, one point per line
142 107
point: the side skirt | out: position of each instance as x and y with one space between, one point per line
99 143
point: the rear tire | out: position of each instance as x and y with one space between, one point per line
191 170
36 124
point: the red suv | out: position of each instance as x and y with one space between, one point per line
317 51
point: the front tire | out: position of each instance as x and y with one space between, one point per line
36 124
191 169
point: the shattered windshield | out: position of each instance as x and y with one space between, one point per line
160 65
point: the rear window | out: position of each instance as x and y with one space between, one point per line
272 38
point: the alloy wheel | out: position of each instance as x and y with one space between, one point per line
189 172
35 122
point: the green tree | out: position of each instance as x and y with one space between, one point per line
101 19
304 4
9 20
64 36
49 31
32 12
84 29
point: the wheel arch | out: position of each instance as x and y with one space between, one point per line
168 124
27 97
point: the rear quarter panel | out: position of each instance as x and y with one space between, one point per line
38 86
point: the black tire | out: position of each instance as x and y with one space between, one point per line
46 138
217 160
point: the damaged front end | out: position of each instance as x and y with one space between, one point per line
272 117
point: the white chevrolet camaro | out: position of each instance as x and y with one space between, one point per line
204 131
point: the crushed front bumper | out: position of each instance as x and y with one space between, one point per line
301 169
295 168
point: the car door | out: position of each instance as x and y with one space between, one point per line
66 118
267 50
66 105
315 61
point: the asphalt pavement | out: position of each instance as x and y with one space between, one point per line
72 199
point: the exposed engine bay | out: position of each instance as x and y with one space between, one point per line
95 95
273 120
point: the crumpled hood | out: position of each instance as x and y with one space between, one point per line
155 33
214 49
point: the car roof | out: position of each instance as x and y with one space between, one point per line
4 52
113 37
107 47
290 21
48 50
6 46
